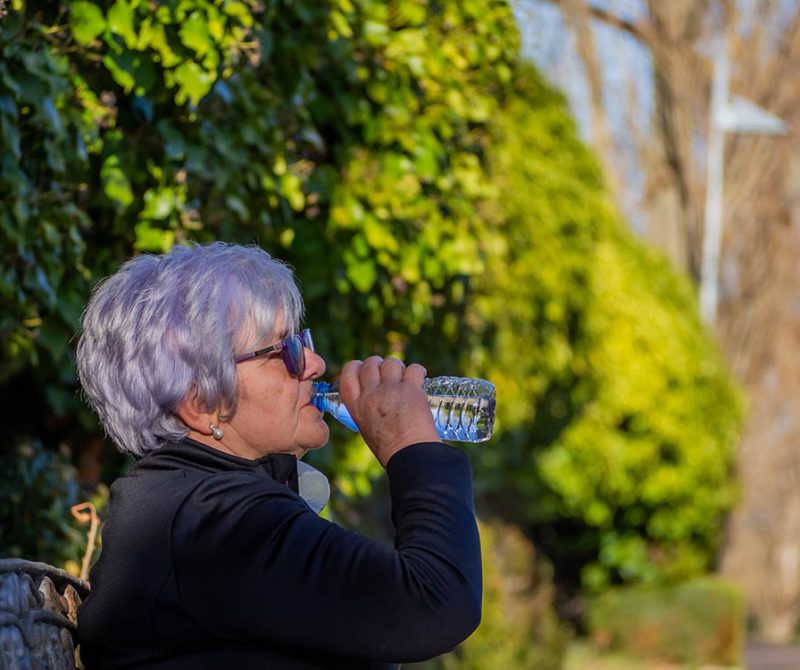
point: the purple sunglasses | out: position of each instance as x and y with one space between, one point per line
293 349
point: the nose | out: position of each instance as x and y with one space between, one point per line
315 365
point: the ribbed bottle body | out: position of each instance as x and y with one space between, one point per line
462 407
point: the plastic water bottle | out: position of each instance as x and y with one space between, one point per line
462 408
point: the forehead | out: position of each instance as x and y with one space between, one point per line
253 335
281 328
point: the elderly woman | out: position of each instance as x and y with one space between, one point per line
211 556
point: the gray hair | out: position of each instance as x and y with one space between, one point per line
165 326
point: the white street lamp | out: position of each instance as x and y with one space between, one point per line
735 115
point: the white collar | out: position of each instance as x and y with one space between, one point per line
313 486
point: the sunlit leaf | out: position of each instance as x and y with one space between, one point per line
292 190
158 203
121 22
149 238
115 183
362 274
194 33
193 82
86 21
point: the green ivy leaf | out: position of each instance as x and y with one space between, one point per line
9 131
115 183
120 73
121 22
158 203
86 21
149 238
292 190
362 274
195 35
193 82
152 34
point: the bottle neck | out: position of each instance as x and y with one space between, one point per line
322 392
323 387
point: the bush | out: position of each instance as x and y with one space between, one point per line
700 622
617 416
519 628
344 137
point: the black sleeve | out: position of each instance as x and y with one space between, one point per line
253 562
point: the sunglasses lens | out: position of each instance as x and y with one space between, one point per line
308 341
294 355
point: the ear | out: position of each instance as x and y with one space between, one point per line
195 415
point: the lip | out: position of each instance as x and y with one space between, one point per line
309 400
310 403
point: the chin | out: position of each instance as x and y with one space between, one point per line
316 439
325 435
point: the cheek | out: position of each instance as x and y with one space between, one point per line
262 383
270 386
278 400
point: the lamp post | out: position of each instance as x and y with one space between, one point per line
734 115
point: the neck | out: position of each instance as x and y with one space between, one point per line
230 445
225 445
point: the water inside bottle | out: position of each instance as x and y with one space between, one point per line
464 419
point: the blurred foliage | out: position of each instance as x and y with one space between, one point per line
701 621
432 194
583 655
37 489
618 417
343 137
519 628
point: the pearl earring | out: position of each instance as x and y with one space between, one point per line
216 431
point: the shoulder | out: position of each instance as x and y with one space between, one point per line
237 487
230 517
227 501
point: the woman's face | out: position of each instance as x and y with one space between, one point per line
274 413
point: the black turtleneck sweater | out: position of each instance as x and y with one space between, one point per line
214 561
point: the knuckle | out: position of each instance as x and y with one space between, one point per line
351 366
371 364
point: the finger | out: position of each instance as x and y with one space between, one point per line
415 373
392 370
349 383
369 375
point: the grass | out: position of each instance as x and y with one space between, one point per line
581 655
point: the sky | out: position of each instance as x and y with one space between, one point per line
627 75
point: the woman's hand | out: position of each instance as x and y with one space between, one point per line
386 400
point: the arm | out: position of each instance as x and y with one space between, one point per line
253 563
